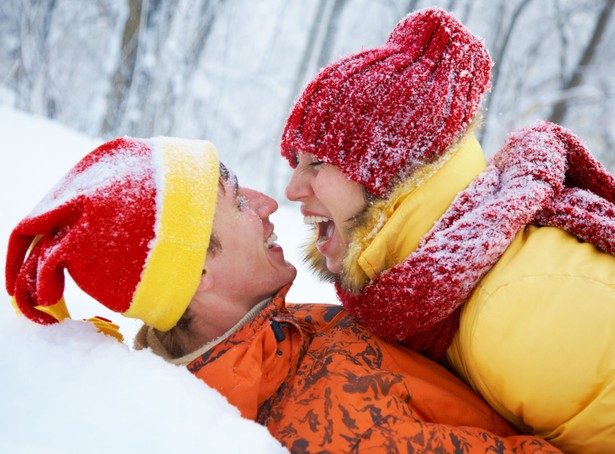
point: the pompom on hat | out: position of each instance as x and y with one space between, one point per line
380 114
131 224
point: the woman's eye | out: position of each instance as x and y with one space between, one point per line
316 163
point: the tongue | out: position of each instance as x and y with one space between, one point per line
325 231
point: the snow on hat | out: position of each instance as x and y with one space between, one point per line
130 222
381 113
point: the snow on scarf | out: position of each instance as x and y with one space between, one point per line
542 175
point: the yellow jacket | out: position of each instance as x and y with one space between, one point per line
537 337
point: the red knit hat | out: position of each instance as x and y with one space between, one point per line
130 222
383 112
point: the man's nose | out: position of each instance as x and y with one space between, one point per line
260 203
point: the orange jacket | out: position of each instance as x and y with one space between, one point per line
321 382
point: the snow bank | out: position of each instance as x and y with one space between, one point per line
67 388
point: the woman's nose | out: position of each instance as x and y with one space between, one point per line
298 187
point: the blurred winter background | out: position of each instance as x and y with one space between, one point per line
229 70
73 74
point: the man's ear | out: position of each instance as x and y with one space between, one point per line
207 281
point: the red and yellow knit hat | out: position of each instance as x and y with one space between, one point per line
380 114
130 223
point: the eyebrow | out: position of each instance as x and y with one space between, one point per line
228 176
235 182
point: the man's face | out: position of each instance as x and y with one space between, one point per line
250 266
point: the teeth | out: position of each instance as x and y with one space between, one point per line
314 219
272 238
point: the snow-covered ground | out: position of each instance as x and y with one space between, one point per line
68 389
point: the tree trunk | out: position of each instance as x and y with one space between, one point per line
324 56
499 55
576 79
122 78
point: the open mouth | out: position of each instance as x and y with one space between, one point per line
325 226
271 240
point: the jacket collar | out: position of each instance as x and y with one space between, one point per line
266 309
250 363
392 228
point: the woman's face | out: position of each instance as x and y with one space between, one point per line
330 201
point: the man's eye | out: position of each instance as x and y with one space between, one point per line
242 202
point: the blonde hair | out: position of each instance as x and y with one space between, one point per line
168 344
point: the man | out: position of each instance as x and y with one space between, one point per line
158 230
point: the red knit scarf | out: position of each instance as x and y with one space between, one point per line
542 175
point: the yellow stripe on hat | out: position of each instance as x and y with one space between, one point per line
186 204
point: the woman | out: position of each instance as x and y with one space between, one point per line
505 270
